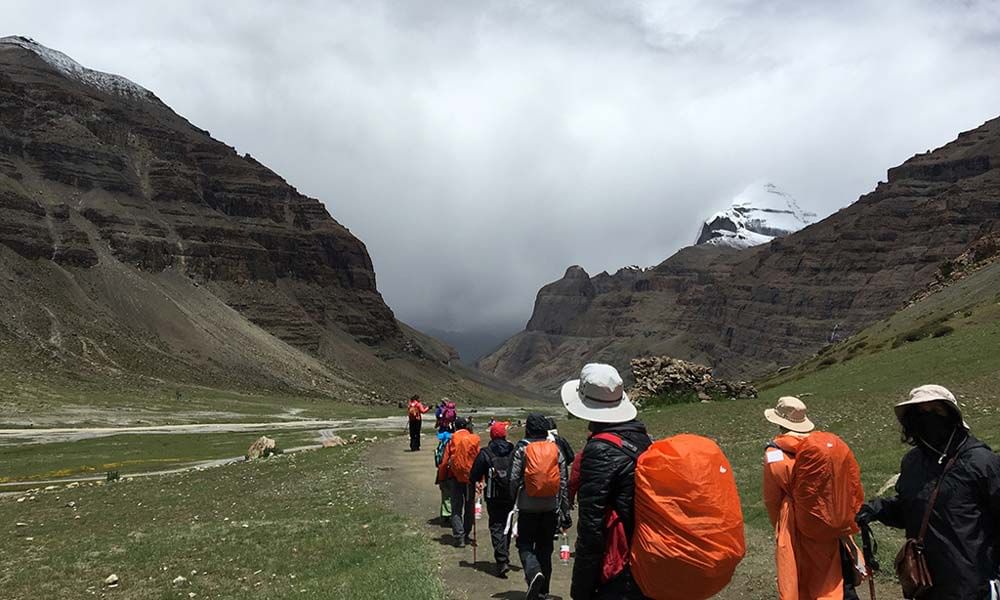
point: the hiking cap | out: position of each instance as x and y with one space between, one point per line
598 395
498 430
930 393
790 413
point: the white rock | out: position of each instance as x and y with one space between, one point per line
179 580
111 580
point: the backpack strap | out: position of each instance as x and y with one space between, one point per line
772 445
934 495
630 449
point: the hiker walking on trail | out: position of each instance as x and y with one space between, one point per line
947 499
812 487
539 478
494 465
607 482
459 456
444 485
445 415
657 519
415 411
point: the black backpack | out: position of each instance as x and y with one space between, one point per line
498 477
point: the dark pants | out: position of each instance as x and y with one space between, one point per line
463 509
534 544
498 509
622 587
415 434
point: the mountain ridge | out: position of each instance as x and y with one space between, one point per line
136 248
748 312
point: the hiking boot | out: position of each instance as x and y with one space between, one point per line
535 588
469 541
502 569
460 543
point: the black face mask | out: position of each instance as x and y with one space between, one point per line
934 429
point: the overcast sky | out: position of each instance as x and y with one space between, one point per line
479 148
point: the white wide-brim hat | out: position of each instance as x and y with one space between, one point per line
790 413
930 393
598 396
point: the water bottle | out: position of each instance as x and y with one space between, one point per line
479 508
564 548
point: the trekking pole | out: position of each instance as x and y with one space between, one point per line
870 547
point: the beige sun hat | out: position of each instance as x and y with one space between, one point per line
790 413
598 395
930 393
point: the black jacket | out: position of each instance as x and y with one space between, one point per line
481 467
607 480
964 534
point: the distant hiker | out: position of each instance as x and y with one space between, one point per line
415 412
445 484
651 516
446 414
812 487
539 478
947 498
459 456
494 465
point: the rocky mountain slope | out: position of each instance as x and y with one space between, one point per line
757 215
748 312
133 245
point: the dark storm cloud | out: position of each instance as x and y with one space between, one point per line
479 148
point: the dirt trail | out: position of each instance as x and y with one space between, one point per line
411 481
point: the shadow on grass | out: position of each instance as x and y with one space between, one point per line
517 595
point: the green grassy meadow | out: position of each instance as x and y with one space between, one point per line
308 525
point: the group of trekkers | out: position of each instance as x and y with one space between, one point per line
662 519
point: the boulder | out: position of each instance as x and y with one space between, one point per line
334 441
262 448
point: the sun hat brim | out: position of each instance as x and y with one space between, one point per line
597 412
901 408
801 427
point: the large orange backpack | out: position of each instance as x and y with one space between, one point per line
464 449
688 536
541 469
826 487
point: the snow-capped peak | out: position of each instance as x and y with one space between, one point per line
106 82
757 215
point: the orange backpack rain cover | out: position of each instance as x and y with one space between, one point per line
826 487
688 535
465 448
541 469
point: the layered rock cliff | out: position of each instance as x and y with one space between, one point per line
132 242
746 312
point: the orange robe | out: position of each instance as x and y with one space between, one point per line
807 569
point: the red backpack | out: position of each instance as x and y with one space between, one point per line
688 537
826 487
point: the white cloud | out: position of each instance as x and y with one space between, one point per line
479 148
